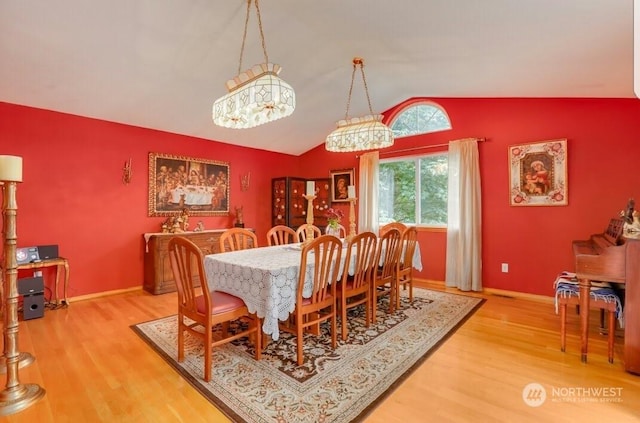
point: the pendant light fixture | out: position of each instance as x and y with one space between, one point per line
360 133
256 96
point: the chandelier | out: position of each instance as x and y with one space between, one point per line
255 96
360 133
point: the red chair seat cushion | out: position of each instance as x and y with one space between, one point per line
222 302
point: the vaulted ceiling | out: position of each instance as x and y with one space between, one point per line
161 63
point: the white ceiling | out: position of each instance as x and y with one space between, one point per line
161 63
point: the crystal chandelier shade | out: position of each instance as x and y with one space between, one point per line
255 96
360 133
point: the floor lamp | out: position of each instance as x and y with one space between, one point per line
16 396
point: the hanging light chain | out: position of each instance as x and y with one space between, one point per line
366 89
264 45
358 61
244 35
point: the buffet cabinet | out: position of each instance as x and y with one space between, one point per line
158 276
289 207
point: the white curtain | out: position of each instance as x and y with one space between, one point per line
464 226
368 192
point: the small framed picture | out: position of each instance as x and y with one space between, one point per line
538 174
340 181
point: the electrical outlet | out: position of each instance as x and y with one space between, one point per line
505 267
37 273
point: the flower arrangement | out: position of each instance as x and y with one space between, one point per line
334 216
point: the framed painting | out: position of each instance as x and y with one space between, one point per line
178 183
340 181
538 174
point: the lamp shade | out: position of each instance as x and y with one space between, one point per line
256 96
11 168
360 133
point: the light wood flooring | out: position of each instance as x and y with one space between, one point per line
94 368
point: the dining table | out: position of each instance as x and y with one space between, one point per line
266 279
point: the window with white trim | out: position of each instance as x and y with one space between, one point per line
413 190
420 118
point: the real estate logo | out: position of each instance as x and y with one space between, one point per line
534 395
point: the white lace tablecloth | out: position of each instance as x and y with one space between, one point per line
266 279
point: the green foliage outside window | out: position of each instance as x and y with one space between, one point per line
414 190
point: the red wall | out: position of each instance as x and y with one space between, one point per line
72 192
603 137
73 195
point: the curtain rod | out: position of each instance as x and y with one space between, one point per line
424 147
421 147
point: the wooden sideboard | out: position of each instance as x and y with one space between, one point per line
158 277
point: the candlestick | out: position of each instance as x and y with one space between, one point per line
311 188
351 189
11 170
16 396
309 229
352 218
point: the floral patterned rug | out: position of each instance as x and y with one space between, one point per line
331 386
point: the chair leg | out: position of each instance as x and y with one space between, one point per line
393 287
334 327
612 334
410 283
208 340
367 311
374 301
343 310
563 326
258 337
299 336
181 330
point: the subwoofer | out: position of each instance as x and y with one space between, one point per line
32 291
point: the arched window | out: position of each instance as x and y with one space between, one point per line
420 118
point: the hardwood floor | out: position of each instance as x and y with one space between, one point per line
95 369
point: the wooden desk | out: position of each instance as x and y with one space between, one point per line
60 263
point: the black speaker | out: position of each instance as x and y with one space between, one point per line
46 252
32 291
31 286
33 306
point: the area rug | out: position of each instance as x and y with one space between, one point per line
337 386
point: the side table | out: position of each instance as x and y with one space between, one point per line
60 263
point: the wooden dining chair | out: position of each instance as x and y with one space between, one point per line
404 270
203 309
316 298
384 281
237 239
393 225
281 234
354 290
301 232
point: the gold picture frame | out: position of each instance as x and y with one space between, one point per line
538 174
178 183
340 181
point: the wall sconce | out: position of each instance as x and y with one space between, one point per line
244 181
127 172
